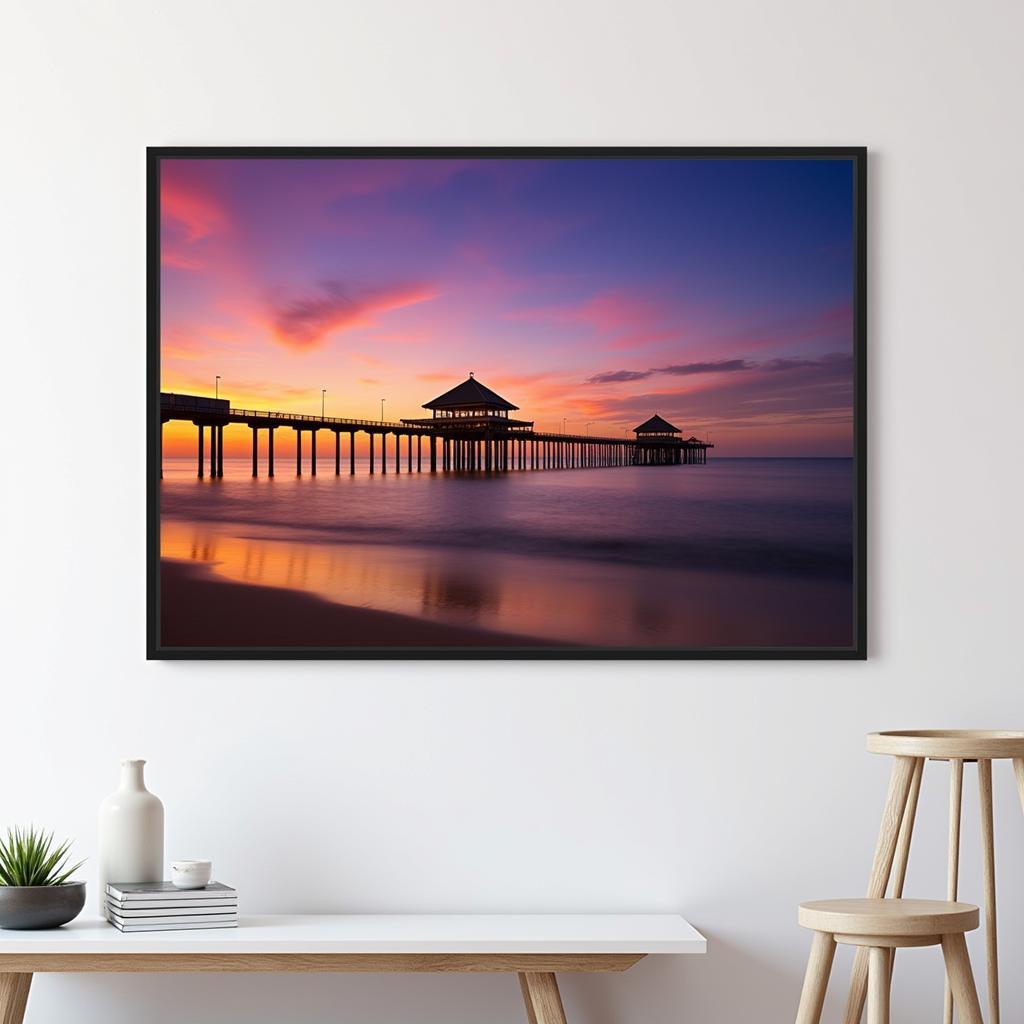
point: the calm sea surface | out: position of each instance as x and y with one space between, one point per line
736 552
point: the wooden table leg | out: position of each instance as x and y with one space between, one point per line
13 997
961 979
903 770
527 1000
540 994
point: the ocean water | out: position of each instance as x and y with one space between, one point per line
738 552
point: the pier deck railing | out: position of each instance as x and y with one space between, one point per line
327 421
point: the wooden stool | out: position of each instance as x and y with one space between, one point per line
910 750
879 927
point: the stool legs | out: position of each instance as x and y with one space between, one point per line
988 861
900 781
902 857
878 980
906 833
956 790
819 967
878 985
961 979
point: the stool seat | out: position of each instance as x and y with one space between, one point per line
889 918
879 928
943 744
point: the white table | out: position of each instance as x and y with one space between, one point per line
533 946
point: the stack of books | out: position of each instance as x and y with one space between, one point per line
161 907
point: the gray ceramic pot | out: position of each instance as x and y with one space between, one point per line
40 906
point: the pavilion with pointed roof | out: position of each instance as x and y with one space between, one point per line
475 428
471 404
656 427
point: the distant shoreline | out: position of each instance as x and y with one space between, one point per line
199 610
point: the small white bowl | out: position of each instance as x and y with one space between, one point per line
191 874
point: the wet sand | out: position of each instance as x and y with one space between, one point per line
199 610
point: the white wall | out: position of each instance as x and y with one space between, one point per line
726 791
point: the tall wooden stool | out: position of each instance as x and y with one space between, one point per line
878 927
910 750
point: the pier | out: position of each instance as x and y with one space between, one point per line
469 431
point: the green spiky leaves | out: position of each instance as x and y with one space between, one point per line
28 857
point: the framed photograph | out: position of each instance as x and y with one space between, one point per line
506 403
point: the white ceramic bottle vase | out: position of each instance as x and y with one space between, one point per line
131 846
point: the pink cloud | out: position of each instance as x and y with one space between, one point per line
304 322
187 216
196 215
170 256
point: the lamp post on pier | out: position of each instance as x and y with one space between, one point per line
216 386
382 401
323 399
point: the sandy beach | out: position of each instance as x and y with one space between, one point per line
199 610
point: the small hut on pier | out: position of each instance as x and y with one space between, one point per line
658 443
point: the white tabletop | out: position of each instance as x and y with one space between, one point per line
382 933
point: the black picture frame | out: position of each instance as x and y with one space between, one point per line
155 650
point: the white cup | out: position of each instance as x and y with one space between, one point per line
191 874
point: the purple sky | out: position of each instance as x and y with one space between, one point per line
717 293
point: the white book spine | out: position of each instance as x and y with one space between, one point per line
126 923
147 907
167 891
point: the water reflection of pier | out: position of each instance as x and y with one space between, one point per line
446 593
469 431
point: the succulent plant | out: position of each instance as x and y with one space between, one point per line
28 858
